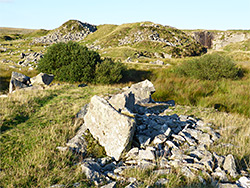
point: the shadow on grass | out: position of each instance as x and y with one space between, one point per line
22 116
133 75
4 83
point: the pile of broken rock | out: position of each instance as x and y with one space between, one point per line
136 133
20 81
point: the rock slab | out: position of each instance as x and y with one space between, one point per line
113 130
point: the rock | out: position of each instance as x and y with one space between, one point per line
220 174
218 159
162 171
146 154
230 166
243 182
82 85
132 154
83 111
227 185
78 144
162 181
187 172
113 130
42 78
15 85
132 185
92 171
110 185
21 78
142 91
123 101
159 139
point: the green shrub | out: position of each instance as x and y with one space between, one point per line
210 67
108 71
70 62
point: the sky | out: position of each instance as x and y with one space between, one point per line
182 14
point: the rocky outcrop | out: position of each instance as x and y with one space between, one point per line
161 141
20 81
30 59
71 30
218 39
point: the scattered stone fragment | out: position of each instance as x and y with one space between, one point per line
162 181
110 185
243 182
230 166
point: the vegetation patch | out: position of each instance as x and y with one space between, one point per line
210 67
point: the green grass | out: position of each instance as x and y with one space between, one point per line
30 134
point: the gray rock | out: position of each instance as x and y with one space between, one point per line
110 185
187 172
230 166
227 185
146 155
132 185
162 171
92 171
113 130
123 101
220 174
218 159
83 111
143 140
159 139
132 154
15 85
243 182
42 78
142 91
162 181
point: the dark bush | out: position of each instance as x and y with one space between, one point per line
70 62
210 67
108 71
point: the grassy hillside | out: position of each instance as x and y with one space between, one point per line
143 39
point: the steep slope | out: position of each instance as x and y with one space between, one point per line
145 39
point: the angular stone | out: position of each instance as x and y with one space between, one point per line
142 91
146 154
230 166
143 140
15 85
187 172
123 101
159 139
132 154
110 185
218 159
244 182
227 185
220 174
113 130
83 111
21 78
42 78
162 181
92 171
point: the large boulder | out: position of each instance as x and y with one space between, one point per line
113 130
18 81
142 91
42 78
